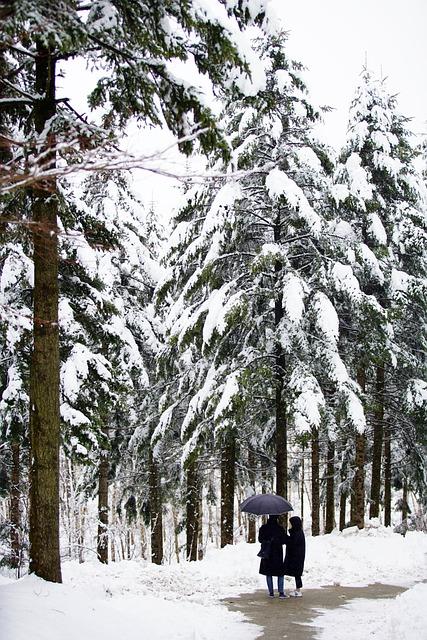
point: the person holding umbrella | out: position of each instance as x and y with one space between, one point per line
271 535
272 565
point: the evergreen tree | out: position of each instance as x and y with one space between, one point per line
380 196
249 276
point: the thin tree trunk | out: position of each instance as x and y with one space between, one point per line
280 406
192 510
343 493
252 476
175 532
44 371
387 476
69 505
374 507
359 477
281 441
102 542
80 535
302 484
200 530
144 542
343 504
330 489
15 507
156 519
405 505
315 484
227 488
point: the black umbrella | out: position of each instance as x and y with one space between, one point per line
266 504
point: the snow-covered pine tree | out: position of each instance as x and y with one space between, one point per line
249 279
379 195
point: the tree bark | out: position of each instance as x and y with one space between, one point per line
228 460
192 510
252 476
302 483
387 476
405 505
343 494
15 507
374 507
200 528
156 518
315 484
330 488
359 477
343 504
44 372
81 535
280 362
102 541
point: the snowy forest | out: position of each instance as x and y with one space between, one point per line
266 334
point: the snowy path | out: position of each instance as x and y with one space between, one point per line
290 618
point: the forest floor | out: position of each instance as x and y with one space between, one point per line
298 618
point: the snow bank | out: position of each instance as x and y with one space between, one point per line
358 558
33 608
402 618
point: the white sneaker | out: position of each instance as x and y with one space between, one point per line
295 594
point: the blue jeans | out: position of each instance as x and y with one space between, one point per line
280 583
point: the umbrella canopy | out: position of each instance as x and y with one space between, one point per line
267 504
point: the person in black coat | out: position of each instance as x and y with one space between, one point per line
273 565
295 554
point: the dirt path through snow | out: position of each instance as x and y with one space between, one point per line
287 618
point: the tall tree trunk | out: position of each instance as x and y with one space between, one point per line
144 540
192 510
280 406
315 484
200 529
343 504
252 476
387 476
359 477
302 483
102 542
330 488
360 481
228 461
44 373
156 519
405 505
81 534
281 438
374 507
343 493
15 507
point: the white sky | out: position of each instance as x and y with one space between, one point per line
332 37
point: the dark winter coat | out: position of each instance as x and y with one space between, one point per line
295 549
272 566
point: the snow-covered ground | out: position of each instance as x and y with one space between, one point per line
136 600
401 618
